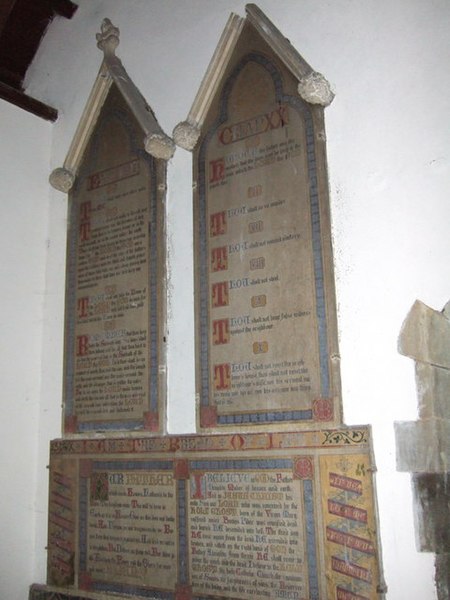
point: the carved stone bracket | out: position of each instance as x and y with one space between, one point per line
423 446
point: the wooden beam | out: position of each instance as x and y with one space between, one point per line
29 104
6 7
65 8
11 78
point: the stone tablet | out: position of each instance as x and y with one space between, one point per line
266 322
114 363
268 515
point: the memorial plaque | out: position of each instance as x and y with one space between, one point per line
267 515
114 363
266 323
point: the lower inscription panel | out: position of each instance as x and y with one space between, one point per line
269 515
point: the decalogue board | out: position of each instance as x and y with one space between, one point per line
266 323
114 358
268 515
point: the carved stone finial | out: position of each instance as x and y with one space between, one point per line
315 89
108 39
186 135
62 179
159 145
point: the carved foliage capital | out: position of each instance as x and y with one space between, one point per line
62 179
315 89
159 145
186 135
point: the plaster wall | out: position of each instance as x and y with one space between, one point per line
388 151
24 160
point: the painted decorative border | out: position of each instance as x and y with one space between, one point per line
272 416
243 442
151 418
357 437
261 464
332 470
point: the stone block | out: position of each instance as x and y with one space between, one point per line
425 335
423 446
432 501
433 391
443 576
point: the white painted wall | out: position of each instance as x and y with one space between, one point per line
388 150
24 159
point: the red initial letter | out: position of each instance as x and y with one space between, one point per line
222 377
216 170
221 334
82 345
217 224
83 304
219 294
219 259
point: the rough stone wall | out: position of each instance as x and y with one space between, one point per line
423 446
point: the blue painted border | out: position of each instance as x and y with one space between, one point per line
265 417
183 560
308 500
303 109
249 463
82 527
